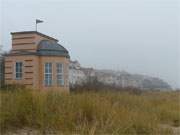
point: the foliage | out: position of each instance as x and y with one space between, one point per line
102 112
93 85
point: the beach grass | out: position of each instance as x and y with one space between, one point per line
90 113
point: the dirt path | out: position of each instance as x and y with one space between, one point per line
27 131
176 130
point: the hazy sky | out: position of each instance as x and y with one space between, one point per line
139 36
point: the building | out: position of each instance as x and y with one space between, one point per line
76 75
1 71
89 72
38 61
1 67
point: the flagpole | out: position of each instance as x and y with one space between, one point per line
36 27
38 21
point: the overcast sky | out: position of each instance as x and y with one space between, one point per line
139 36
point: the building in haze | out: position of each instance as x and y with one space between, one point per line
38 61
122 79
1 70
76 75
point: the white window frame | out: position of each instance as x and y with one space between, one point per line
20 71
60 74
48 76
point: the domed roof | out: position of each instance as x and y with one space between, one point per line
49 48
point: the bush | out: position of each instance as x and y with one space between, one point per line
88 112
93 85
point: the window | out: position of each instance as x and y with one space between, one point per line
18 70
48 74
60 77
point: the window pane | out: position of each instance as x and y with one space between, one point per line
46 69
50 67
60 79
18 70
20 67
48 74
59 68
60 82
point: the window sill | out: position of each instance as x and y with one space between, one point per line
18 78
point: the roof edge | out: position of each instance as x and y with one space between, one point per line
35 32
36 54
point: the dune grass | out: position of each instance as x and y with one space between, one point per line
89 112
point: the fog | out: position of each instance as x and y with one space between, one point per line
139 36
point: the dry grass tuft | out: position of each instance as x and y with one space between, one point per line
89 112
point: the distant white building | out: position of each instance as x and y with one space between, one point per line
76 75
89 72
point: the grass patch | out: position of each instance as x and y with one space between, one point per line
89 112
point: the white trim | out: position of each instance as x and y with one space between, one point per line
62 74
51 75
18 72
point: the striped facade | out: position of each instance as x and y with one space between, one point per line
31 51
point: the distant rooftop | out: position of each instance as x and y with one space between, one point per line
34 32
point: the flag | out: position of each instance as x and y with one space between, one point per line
38 21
